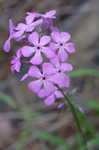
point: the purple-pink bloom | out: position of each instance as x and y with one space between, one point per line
48 20
58 69
43 81
51 98
7 45
62 45
21 28
39 46
16 62
31 16
50 14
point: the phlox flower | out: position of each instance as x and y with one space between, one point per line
29 26
62 45
47 18
58 69
16 62
50 99
39 46
43 82
31 16
50 14
7 44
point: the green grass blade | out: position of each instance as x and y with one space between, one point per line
51 138
93 142
81 72
7 99
43 135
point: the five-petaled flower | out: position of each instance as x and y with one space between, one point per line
49 100
21 28
39 46
62 45
43 80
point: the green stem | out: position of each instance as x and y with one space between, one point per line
74 113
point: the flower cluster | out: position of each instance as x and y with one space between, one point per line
46 51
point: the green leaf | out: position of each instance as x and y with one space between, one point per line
81 72
51 138
43 135
7 99
94 104
93 142
84 123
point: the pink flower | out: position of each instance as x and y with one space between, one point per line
7 45
31 16
51 98
43 81
28 27
62 45
15 62
58 69
39 46
50 14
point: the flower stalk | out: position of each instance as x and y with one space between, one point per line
74 113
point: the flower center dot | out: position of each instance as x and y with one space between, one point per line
38 48
59 71
61 44
43 78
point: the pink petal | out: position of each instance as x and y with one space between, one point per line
19 39
49 87
70 47
27 51
58 94
14 59
18 34
38 22
30 28
56 36
34 72
62 54
24 77
42 93
50 14
29 19
11 26
50 100
18 53
16 67
65 36
34 38
66 67
12 68
48 52
37 58
55 62
61 80
35 86
7 45
45 40
60 105
48 68
21 26
53 46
